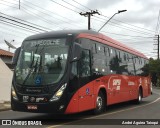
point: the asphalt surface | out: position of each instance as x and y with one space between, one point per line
116 114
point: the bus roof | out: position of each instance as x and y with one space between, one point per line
88 34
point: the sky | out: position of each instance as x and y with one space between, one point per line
136 27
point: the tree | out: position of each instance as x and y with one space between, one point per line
154 69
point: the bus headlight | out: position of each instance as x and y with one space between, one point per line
13 93
59 93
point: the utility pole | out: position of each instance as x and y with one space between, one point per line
158 46
89 14
19 4
157 39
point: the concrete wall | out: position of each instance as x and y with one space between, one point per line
5 81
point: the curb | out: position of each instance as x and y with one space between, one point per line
5 106
156 87
5 109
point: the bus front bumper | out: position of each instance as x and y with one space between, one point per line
49 107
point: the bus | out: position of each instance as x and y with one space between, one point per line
72 71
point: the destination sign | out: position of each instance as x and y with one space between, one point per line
46 42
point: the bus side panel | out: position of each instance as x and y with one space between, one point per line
100 83
119 88
86 97
73 104
82 100
133 85
113 89
124 89
146 86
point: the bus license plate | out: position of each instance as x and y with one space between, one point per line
32 107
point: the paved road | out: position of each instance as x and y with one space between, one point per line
149 109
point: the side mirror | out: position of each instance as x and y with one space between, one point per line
76 52
16 55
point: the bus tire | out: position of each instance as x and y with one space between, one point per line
139 99
100 103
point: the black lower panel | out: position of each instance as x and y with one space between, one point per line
41 107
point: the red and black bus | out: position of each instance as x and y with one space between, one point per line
74 71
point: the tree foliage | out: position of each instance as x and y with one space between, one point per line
154 66
154 70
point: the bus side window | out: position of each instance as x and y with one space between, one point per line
84 68
111 51
107 51
113 61
100 48
93 48
125 57
131 65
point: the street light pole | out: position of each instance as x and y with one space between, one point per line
112 17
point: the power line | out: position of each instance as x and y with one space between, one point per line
22 23
114 19
41 13
11 33
19 25
124 27
33 14
42 19
9 2
45 13
72 5
81 5
65 6
26 22
23 20
8 5
129 24
121 22
11 30
128 35
49 11
24 9
131 30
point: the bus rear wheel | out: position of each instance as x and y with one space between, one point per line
139 99
100 103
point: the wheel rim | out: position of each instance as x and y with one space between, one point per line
99 102
140 97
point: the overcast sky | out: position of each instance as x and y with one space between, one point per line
136 27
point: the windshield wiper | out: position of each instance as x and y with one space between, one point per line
31 67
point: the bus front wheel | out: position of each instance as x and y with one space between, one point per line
100 103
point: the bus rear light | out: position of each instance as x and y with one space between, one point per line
59 93
13 93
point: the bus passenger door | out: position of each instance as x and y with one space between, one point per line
73 89
86 99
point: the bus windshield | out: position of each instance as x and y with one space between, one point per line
42 62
